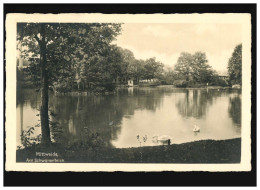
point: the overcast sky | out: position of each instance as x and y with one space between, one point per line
167 41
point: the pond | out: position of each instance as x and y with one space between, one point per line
119 118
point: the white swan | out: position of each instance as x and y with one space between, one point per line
162 138
196 128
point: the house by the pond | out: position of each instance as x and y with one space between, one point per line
223 75
130 82
124 81
149 80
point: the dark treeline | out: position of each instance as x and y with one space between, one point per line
81 57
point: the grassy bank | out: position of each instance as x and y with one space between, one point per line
204 151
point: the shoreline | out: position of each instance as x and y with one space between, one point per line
86 93
202 151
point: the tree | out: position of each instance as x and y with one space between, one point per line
153 68
60 51
127 64
39 33
202 72
168 76
101 70
137 70
235 66
184 66
131 68
193 69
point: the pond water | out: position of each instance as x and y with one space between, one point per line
120 117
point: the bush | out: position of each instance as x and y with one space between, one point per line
155 83
63 86
99 89
195 85
102 87
180 83
219 82
109 87
92 140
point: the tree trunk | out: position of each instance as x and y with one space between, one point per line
45 129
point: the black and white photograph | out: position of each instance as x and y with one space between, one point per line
128 91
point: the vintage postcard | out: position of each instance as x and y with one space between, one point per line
128 92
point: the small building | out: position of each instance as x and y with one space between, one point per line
130 82
223 77
148 80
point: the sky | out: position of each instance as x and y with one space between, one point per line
165 42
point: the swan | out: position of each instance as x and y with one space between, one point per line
196 128
162 138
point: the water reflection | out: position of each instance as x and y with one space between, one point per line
194 103
97 113
120 117
234 109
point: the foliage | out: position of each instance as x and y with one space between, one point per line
59 51
235 66
62 85
180 83
153 68
71 49
128 66
168 76
82 55
26 137
132 68
216 81
24 79
92 140
100 71
193 68
202 72
184 66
